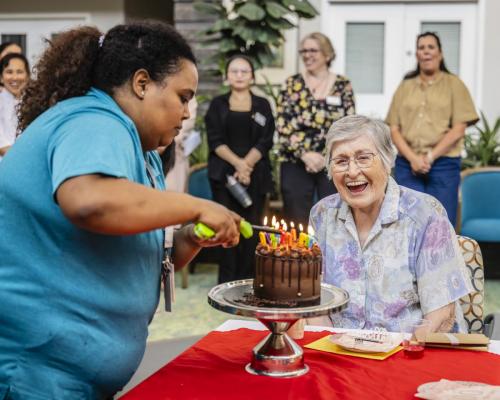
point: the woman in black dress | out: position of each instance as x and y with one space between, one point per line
240 128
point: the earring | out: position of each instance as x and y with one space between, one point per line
143 93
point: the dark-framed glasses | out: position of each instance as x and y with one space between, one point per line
362 161
306 51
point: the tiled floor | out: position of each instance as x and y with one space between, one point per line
193 316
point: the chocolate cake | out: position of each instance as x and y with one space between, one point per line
287 276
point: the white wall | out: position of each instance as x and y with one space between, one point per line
103 13
489 100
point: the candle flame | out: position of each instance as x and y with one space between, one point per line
276 225
310 230
273 221
265 221
285 226
292 225
301 228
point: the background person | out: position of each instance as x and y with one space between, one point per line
240 128
82 238
392 248
8 48
307 106
428 116
177 176
14 75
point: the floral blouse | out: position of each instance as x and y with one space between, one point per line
411 263
303 122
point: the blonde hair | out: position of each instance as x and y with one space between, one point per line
325 45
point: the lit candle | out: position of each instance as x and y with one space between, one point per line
310 233
273 240
273 221
302 239
293 232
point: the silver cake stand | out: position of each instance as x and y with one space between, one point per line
277 355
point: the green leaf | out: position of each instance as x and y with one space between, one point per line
276 10
221 24
280 24
301 7
251 12
209 8
226 45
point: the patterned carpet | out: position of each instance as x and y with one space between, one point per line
193 316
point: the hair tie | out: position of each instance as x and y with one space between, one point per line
101 40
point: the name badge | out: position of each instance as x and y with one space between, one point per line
168 237
260 119
333 100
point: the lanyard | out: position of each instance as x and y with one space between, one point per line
167 266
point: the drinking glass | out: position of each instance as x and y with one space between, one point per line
414 334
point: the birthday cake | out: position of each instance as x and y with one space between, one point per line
287 275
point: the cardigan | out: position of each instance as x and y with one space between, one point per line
262 131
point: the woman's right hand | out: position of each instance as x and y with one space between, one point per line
242 168
223 221
313 161
420 164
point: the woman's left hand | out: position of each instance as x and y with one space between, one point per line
244 179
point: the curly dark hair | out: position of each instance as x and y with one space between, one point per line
81 58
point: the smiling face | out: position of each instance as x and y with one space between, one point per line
239 74
165 106
313 58
429 55
15 77
362 189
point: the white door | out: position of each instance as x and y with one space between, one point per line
37 28
375 45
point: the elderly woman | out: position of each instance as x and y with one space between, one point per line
392 248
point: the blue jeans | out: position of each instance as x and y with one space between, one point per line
442 181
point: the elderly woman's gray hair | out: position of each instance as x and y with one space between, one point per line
354 126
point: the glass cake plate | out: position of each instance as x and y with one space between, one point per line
277 355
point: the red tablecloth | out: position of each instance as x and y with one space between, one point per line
213 368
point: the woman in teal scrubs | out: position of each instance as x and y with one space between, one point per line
83 213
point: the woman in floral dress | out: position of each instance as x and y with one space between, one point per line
310 102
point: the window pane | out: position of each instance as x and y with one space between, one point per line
365 56
15 38
449 33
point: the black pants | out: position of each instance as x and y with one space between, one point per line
301 189
238 262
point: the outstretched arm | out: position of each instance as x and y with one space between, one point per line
119 207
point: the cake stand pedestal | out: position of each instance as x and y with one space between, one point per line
277 355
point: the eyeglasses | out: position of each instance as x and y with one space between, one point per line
305 51
239 71
341 164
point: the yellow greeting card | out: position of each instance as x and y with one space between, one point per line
325 344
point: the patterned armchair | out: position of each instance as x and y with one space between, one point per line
472 304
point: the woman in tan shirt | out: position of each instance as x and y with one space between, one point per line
428 116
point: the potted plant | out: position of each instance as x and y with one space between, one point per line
482 147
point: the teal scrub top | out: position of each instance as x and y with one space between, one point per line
74 305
